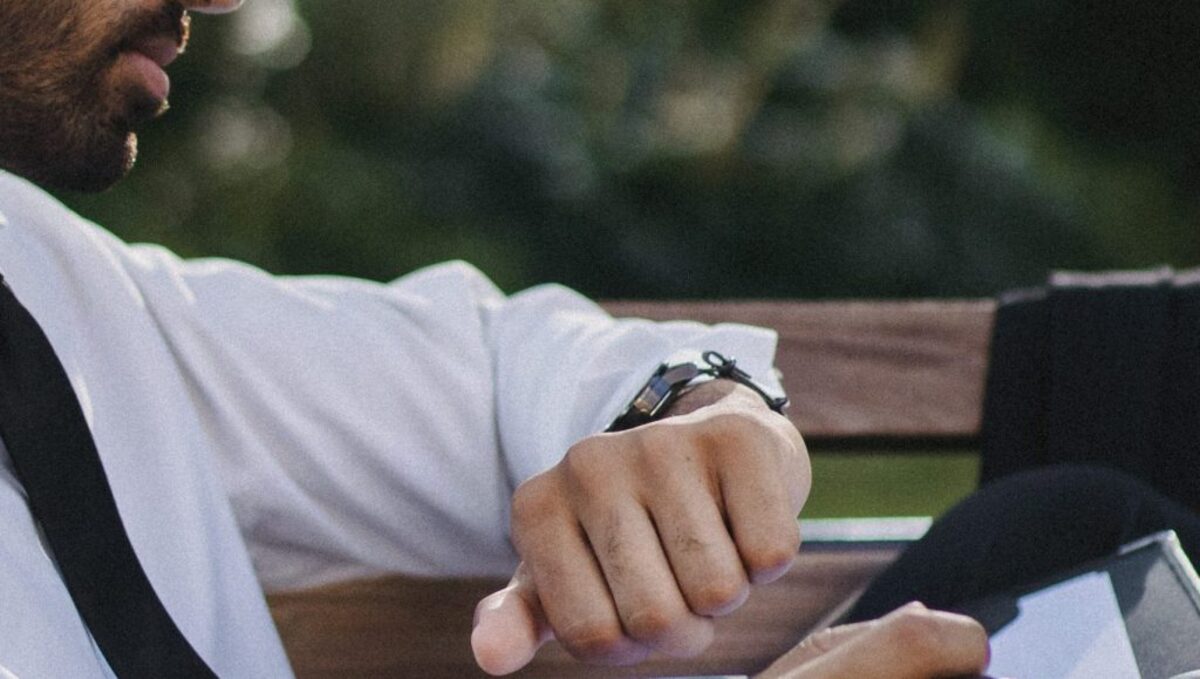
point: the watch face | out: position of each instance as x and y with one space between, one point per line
652 396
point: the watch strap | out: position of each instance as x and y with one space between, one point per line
671 380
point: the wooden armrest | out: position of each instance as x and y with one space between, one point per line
398 626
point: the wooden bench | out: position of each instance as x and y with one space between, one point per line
881 376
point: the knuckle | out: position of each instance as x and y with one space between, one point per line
798 478
592 641
749 436
719 596
768 563
585 462
531 499
659 452
944 641
823 641
774 444
795 440
781 440
534 503
916 630
732 427
653 443
775 553
651 624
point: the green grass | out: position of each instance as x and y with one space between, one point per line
865 484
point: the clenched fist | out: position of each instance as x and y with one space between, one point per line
637 539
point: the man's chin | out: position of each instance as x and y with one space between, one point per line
92 172
87 150
103 177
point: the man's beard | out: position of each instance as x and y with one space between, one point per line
66 121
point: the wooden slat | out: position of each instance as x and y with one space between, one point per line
866 370
406 627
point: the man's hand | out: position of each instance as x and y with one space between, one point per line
910 643
637 539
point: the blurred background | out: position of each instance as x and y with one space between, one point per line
691 148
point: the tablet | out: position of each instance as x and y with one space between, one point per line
1135 614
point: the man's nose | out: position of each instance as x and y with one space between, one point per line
211 6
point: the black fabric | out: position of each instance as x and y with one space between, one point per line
1100 369
1090 439
56 461
1024 528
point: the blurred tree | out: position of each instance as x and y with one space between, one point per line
691 148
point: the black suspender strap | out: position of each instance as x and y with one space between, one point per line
55 459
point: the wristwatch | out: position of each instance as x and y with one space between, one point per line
671 380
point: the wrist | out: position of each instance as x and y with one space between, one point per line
672 381
711 392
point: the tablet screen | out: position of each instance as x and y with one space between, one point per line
1071 630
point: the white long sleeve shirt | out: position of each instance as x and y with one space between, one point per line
263 432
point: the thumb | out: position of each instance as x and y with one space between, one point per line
509 626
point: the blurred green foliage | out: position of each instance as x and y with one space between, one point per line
751 148
862 484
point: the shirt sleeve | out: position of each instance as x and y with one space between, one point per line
565 369
362 428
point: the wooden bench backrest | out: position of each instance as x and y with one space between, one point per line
883 371
887 374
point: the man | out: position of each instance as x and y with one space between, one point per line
260 432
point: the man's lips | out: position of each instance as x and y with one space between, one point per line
161 49
147 56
